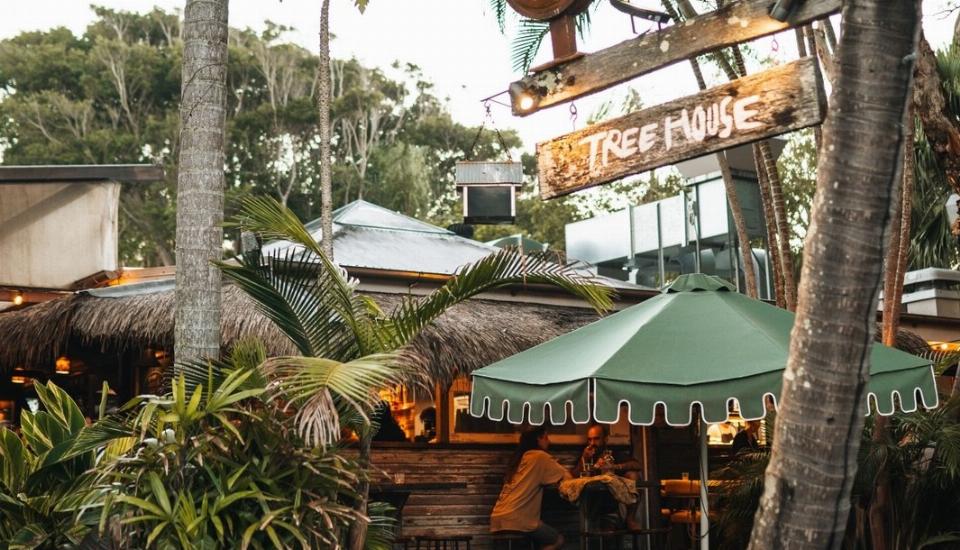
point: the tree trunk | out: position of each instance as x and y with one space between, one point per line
200 180
769 220
940 128
806 499
733 201
783 226
358 531
881 505
772 178
323 101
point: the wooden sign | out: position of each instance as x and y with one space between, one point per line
737 22
777 101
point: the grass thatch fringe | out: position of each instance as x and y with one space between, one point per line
469 336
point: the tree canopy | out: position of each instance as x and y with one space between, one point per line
111 95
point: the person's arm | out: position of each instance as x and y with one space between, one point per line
550 470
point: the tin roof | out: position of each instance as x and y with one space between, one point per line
489 173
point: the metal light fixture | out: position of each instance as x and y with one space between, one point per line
523 100
782 9
625 6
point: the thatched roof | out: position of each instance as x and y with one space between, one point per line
469 336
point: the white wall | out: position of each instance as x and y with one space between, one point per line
53 234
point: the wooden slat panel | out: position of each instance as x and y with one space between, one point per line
463 511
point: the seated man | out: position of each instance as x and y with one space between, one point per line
598 457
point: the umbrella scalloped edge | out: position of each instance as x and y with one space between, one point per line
602 401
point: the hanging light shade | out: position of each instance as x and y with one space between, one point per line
62 365
19 376
489 190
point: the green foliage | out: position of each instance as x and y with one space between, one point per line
216 467
42 484
797 167
922 456
111 95
314 303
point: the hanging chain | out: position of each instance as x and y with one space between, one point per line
573 115
488 117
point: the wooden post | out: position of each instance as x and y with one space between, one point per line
444 428
735 23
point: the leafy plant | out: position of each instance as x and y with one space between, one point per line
214 465
42 484
923 460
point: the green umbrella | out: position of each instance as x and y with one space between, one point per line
697 343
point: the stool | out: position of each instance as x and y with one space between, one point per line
657 538
442 542
602 534
512 540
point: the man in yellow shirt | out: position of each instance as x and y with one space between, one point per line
518 507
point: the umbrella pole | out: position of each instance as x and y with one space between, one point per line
704 501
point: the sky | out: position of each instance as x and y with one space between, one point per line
456 43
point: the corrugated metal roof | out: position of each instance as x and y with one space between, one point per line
372 237
488 173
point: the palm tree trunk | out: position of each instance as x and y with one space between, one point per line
733 201
881 506
806 499
358 530
323 105
764 158
200 179
783 226
773 245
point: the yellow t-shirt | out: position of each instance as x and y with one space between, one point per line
518 507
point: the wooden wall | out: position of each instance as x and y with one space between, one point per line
463 511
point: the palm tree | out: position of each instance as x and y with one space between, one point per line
200 179
316 305
323 105
805 502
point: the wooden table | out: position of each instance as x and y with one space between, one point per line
599 487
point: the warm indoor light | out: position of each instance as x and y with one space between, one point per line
17 299
18 378
62 365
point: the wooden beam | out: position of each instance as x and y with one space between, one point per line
777 101
31 296
732 24
126 173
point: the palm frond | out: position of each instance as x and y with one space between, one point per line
316 387
499 8
503 268
301 297
310 298
526 43
380 531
